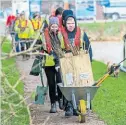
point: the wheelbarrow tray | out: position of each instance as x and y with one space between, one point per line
79 92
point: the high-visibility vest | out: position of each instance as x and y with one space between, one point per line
48 40
50 59
27 33
77 39
35 24
23 23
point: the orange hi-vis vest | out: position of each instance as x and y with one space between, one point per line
48 40
49 58
77 39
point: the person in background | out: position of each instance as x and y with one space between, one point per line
52 63
24 29
16 34
72 35
10 22
37 23
52 11
58 13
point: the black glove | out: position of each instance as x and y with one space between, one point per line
39 57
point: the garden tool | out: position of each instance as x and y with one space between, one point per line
112 69
124 52
41 91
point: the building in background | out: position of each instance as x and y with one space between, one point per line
83 9
48 6
20 5
35 6
5 8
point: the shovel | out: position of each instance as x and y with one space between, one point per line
41 91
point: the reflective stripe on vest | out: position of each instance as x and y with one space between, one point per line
77 39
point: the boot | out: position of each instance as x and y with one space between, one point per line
61 104
53 108
69 110
75 113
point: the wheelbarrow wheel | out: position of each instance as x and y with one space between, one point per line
82 110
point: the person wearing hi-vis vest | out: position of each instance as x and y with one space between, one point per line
72 35
51 33
37 23
24 29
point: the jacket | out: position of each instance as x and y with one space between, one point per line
24 29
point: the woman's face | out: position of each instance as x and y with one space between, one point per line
54 28
36 17
70 24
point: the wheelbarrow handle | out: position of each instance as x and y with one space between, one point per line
112 69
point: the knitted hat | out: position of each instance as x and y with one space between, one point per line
53 20
66 13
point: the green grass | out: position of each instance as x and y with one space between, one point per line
12 74
108 26
108 29
110 100
10 69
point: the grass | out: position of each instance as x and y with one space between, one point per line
106 30
12 74
110 101
9 68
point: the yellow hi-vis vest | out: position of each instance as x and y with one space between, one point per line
36 26
49 60
28 32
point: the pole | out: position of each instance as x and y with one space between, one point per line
95 10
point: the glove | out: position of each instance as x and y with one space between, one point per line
57 68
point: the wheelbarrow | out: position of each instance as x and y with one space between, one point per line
77 82
80 97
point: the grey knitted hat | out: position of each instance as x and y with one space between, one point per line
53 20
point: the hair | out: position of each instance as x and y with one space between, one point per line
70 18
59 11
